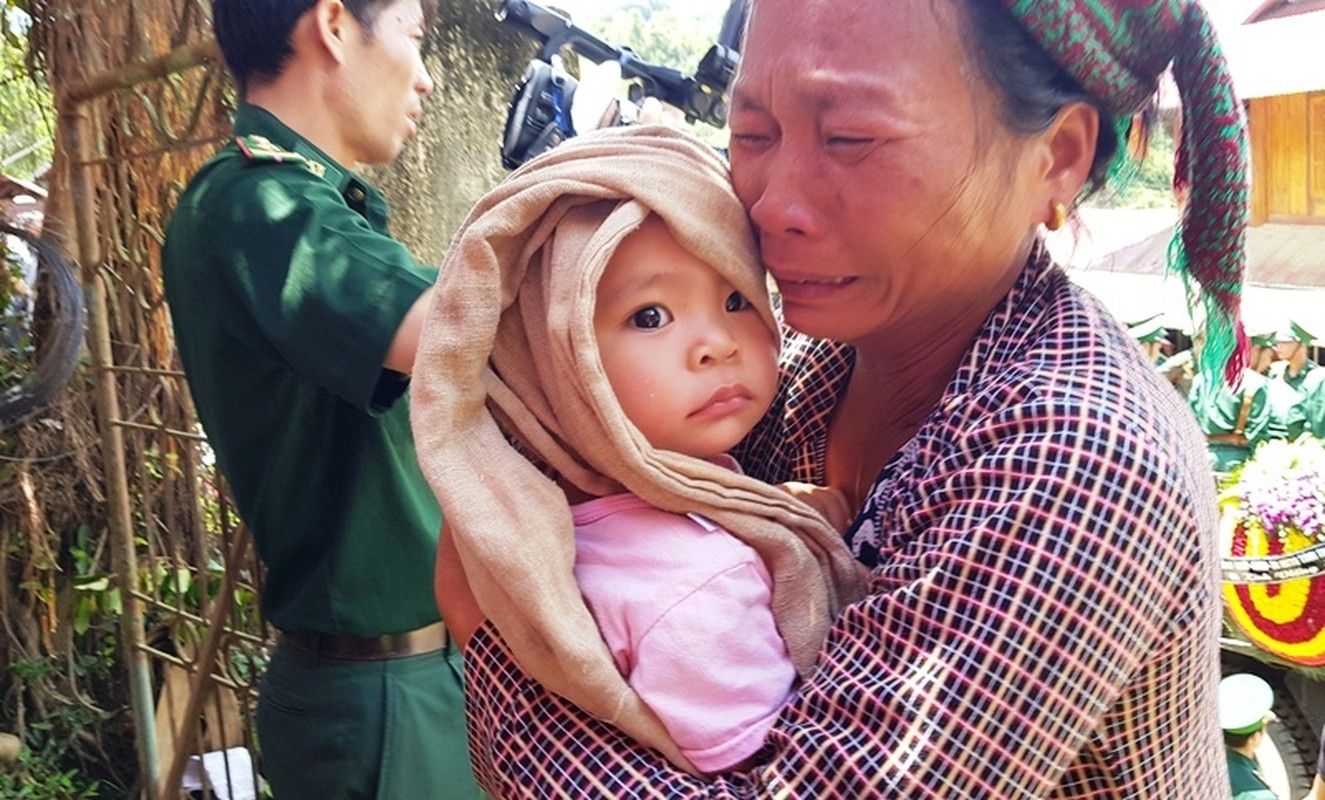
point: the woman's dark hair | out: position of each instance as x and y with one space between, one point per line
254 35
1029 85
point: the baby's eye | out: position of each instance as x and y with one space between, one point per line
650 318
737 302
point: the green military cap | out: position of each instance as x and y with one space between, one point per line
1150 329
1264 339
1296 332
1244 703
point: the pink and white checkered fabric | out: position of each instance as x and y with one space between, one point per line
1043 613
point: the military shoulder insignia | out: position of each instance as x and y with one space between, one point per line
261 149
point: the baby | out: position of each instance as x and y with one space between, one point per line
635 345
683 605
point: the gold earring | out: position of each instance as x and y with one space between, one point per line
1057 217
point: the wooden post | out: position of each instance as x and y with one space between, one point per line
75 126
200 683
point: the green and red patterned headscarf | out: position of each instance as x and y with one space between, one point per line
1117 50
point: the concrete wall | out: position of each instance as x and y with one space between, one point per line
475 63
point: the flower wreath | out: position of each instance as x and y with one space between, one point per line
1272 542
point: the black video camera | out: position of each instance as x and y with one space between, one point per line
539 115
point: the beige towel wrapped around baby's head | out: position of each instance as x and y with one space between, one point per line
510 333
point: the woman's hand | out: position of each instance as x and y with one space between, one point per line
828 501
454 599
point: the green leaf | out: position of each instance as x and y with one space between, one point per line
183 580
83 616
92 583
114 603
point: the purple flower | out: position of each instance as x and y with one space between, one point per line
1281 489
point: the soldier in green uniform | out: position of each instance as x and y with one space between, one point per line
1151 335
1234 421
1293 349
1263 353
1244 711
1178 370
1292 379
1307 379
296 317
1313 405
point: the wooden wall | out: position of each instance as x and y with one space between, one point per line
1288 158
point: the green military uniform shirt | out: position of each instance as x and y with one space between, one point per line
1312 404
1280 371
286 292
1288 416
1245 776
1218 413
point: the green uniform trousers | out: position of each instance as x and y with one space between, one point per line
335 730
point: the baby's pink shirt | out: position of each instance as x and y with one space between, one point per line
684 607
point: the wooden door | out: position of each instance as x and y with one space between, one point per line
1287 167
1316 153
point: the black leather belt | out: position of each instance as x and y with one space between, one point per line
428 639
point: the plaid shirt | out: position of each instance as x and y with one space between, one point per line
1043 613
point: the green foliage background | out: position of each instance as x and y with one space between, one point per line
27 117
660 36
52 699
1147 183
27 134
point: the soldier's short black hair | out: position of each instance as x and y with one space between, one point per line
254 35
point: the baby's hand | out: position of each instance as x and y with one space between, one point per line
828 501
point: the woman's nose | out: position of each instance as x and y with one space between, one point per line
783 202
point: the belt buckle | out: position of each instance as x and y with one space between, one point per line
428 639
